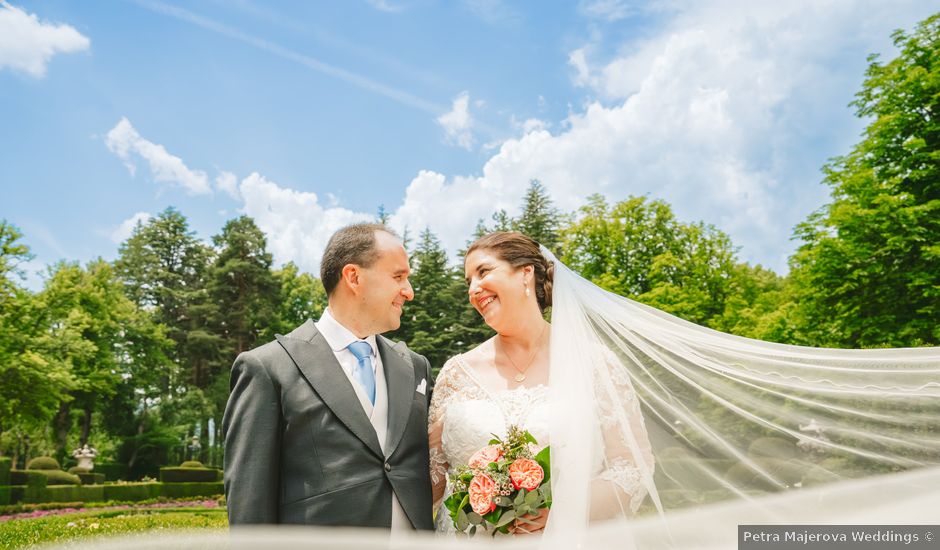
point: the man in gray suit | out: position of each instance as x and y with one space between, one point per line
328 425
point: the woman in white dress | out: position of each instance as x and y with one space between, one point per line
505 381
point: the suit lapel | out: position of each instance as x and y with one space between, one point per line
313 356
400 379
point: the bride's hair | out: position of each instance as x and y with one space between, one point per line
519 251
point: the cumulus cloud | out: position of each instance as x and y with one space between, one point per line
27 44
296 224
727 113
124 141
457 122
126 228
227 182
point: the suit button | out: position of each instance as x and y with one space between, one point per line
388 467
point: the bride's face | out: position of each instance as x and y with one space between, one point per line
496 289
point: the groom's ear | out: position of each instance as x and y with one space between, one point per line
351 276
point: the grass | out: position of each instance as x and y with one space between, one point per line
29 533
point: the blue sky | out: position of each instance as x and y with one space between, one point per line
310 115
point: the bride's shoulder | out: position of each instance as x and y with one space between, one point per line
469 360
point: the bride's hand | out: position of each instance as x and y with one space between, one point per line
535 524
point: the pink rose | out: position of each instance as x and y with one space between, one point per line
482 490
526 473
490 453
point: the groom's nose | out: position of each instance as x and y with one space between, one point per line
408 291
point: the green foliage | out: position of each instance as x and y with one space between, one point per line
112 471
302 298
131 491
188 475
636 248
191 464
868 271
6 464
43 463
58 477
192 489
539 218
56 529
91 478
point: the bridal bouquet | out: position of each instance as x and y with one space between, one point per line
503 482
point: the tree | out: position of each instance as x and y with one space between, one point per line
302 298
243 286
539 218
34 372
165 271
868 271
636 248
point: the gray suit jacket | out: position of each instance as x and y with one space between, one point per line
299 448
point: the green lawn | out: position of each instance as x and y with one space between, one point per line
27 533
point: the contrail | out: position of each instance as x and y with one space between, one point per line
360 81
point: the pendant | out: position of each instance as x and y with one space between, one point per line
520 377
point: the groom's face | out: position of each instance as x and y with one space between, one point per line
385 286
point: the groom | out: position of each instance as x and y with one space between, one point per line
328 424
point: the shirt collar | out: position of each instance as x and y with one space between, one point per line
338 336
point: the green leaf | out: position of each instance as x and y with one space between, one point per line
475 518
544 458
462 521
507 518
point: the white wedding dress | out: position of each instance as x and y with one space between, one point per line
465 415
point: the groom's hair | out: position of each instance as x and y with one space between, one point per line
353 244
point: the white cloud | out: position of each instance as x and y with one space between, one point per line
27 44
126 228
457 123
728 113
124 141
228 183
296 224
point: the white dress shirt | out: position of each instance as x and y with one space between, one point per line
339 337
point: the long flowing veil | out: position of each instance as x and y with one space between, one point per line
703 417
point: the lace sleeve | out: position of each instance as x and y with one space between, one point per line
444 391
628 456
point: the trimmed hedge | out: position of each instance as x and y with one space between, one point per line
131 491
5 494
6 464
43 463
89 478
192 464
188 475
178 490
78 470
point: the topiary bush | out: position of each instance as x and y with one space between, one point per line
192 464
190 475
112 471
180 490
43 463
58 477
78 470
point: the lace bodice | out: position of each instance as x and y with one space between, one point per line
464 415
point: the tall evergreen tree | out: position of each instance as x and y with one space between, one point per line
165 270
539 218
243 286
868 272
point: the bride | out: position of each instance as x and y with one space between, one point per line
646 413
505 381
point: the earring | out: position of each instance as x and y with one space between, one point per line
527 292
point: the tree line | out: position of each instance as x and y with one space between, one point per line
133 355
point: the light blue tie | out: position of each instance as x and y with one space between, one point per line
364 373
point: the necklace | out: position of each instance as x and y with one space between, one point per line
520 373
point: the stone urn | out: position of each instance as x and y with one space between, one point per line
85 457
